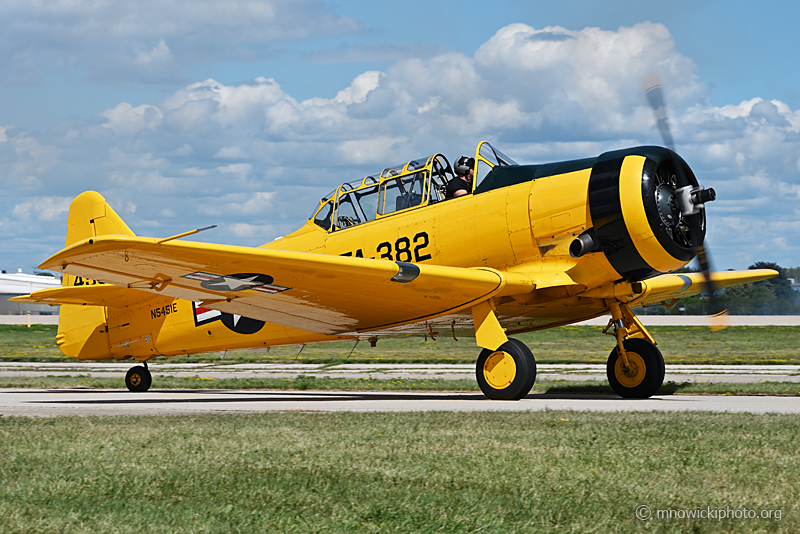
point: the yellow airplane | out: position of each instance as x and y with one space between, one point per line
529 247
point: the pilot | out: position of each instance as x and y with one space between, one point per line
462 183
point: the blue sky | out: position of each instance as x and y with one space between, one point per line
242 113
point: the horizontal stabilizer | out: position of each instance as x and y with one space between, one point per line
96 295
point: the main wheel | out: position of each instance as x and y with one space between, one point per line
507 373
644 375
138 379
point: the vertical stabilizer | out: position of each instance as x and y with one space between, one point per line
90 216
83 330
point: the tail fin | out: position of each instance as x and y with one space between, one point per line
83 330
90 216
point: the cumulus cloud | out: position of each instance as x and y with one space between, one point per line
240 170
126 120
358 90
139 42
375 151
255 204
251 231
523 84
210 104
42 208
160 56
255 159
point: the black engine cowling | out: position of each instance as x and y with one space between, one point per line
635 213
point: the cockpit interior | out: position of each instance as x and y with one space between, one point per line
420 182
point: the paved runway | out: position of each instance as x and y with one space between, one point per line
50 403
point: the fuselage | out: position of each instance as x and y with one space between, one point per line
518 218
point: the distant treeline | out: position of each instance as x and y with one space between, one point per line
769 297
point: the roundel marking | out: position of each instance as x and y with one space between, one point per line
635 216
241 325
236 282
235 323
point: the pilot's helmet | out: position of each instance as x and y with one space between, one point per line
463 165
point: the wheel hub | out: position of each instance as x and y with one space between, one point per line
499 369
634 374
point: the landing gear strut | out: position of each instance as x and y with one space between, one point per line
507 373
138 378
635 368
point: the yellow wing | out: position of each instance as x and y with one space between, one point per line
676 286
315 292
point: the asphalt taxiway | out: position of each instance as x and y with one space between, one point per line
56 402
51 403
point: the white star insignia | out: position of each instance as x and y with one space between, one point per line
235 283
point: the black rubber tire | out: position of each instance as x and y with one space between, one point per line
524 377
138 379
653 372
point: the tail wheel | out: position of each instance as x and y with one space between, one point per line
645 372
138 379
507 373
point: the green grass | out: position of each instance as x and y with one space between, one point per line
396 472
569 344
553 387
37 343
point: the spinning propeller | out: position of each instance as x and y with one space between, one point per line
687 201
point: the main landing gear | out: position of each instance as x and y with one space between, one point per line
635 368
138 378
507 373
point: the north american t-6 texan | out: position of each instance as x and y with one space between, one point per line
527 247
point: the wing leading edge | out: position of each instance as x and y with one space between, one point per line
680 285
